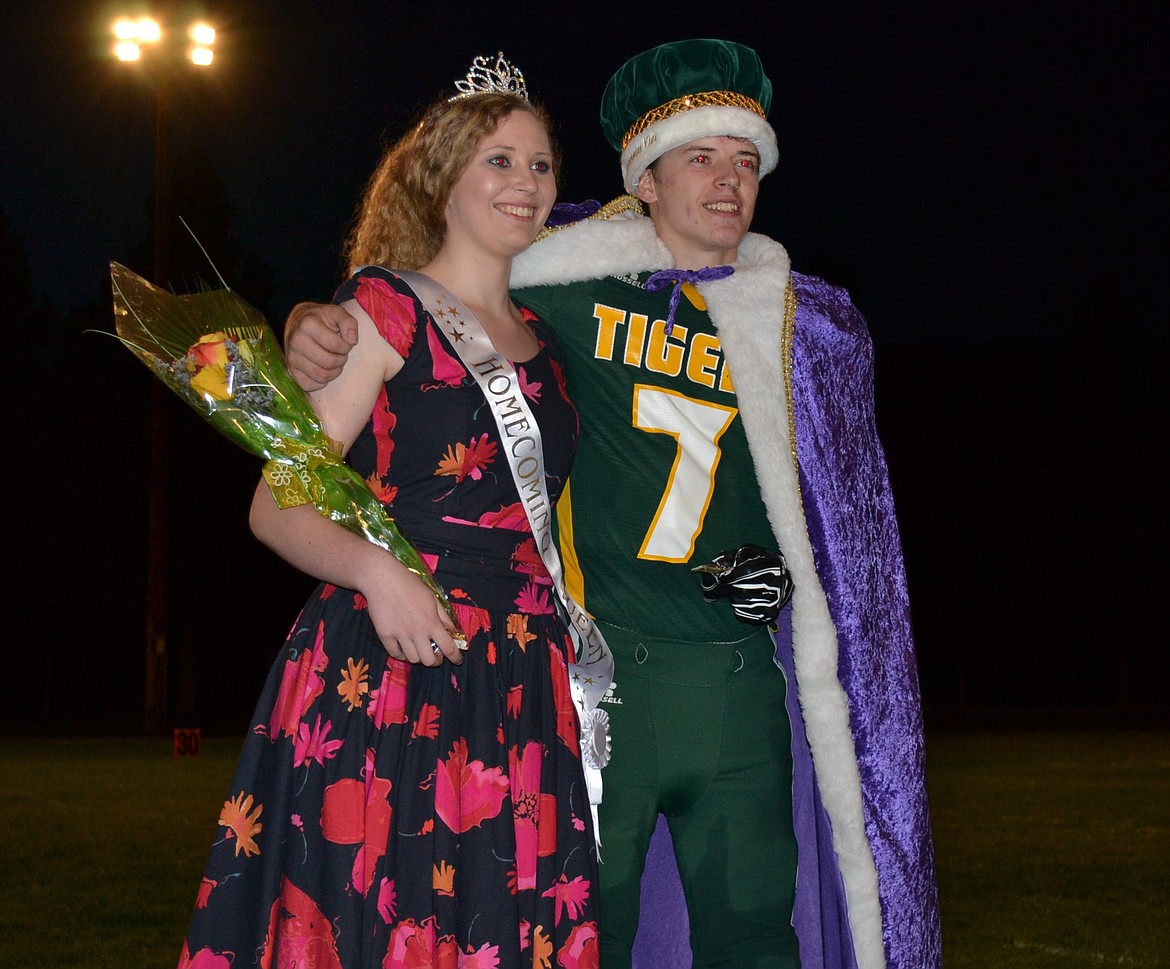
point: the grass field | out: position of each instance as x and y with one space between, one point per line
1053 848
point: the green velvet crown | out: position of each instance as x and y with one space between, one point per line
672 72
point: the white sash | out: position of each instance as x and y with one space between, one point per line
592 674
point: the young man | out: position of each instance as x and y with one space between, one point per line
785 758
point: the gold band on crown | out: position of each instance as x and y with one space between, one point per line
678 105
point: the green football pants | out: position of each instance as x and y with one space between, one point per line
701 735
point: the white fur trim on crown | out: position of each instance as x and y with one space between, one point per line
685 126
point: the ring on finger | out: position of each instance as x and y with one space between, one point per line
435 648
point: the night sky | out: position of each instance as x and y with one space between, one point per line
988 180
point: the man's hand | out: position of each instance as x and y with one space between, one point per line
754 580
317 341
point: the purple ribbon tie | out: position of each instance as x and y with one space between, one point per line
679 277
566 213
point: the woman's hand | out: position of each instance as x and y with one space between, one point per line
408 620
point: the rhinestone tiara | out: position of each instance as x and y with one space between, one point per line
486 78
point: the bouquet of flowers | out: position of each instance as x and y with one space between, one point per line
219 354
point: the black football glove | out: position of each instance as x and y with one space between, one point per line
754 580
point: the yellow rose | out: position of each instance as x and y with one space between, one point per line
211 381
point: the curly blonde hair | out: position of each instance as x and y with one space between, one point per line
401 220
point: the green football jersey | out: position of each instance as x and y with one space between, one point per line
663 479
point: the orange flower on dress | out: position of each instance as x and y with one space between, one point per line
443 879
518 630
542 949
354 683
468 460
385 493
238 817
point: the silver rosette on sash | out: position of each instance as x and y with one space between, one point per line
595 742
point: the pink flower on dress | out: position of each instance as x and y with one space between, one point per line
203 959
388 702
507 516
471 619
487 956
387 900
530 390
467 794
358 812
534 599
570 896
300 684
533 814
445 368
392 312
313 745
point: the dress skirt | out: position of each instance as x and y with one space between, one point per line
385 814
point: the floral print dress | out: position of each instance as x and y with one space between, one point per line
391 815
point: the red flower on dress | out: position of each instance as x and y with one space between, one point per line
467 794
384 421
427 724
526 560
567 724
515 698
417 945
298 933
562 386
358 812
204 896
300 684
580 948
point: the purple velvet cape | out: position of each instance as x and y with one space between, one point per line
854 533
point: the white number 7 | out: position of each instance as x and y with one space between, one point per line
696 426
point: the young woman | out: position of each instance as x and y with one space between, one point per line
412 794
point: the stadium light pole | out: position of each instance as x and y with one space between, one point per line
160 46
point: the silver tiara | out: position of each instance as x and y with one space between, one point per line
486 78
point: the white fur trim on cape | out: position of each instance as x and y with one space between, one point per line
704 122
747 309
